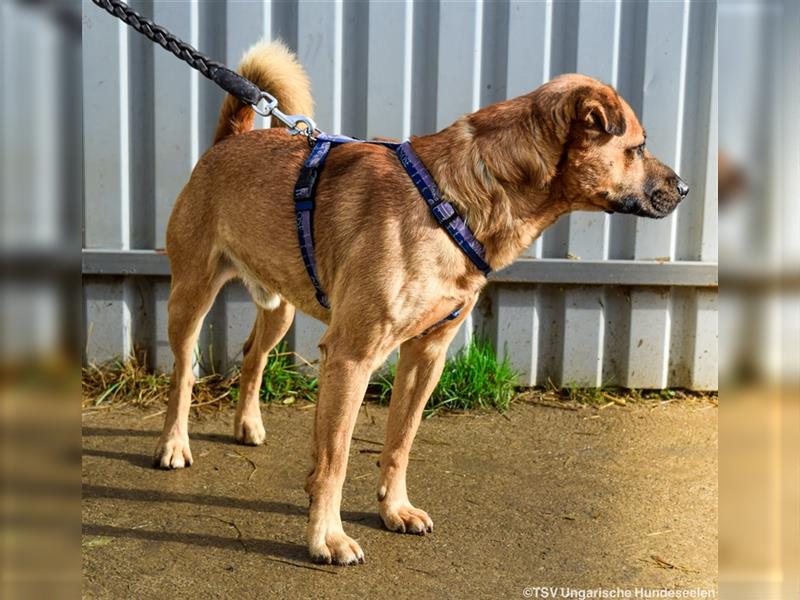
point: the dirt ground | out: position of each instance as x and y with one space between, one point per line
623 497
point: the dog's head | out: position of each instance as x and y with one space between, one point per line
604 162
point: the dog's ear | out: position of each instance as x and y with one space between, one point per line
600 108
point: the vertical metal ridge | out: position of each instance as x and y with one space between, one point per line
194 89
6 13
564 38
616 40
319 40
682 81
547 55
283 22
338 27
698 133
46 133
212 28
708 250
494 54
408 56
550 365
125 188
615 74
266 17
124 138
355 68
478 49
246 23
425 67
669 333
459 64
679 133
389 71
701 339
516 329
266 34
138 294
140 76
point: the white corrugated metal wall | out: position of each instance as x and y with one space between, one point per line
636 304
759 132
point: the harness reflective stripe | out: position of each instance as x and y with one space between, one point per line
443 211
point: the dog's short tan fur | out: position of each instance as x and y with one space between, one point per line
389 270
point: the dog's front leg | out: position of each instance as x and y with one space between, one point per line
418 371
347 364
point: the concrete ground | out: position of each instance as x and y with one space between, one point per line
624 497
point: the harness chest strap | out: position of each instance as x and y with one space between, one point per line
443 211
304 212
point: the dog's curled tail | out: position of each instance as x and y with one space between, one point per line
275 69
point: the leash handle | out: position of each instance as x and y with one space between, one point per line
248 92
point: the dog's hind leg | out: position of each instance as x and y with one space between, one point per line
190 298
268 330
418 371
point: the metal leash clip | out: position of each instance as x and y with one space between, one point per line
268 107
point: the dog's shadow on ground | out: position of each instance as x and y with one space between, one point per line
112 432
269 548
157 496
365 519
138 460
277 550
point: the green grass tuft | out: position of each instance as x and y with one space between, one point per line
472 379
284 381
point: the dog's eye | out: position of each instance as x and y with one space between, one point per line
636 151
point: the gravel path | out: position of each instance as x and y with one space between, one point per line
624 497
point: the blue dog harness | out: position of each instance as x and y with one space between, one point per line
443 211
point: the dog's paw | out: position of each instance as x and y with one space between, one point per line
173 453
338 549
406 519
249 430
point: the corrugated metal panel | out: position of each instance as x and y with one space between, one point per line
400 68
758 134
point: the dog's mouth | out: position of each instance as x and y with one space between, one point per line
653 207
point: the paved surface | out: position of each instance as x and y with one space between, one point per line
622 497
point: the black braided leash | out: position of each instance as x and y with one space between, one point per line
229 80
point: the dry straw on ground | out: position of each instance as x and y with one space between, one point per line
132 383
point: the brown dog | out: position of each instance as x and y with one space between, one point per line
389 270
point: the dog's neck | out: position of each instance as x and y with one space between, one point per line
498 166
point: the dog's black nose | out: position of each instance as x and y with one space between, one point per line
683 188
